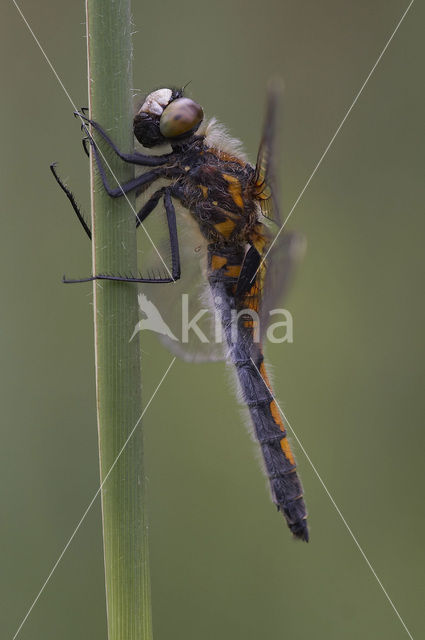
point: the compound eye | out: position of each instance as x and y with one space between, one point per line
181 115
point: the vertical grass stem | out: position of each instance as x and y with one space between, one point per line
118 374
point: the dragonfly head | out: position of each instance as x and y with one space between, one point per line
166 117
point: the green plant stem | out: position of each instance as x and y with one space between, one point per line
118 375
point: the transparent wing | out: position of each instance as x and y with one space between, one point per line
180 313
283 250
265 169
281 262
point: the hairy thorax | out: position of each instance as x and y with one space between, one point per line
217 188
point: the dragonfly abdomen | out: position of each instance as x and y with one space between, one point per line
279 462
247 357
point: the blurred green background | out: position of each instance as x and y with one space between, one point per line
223 564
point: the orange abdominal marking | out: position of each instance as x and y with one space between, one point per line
204 190
233 270
277 418
225 228
284 444
217 262
287 450
264 375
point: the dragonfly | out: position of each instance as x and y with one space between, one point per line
233 207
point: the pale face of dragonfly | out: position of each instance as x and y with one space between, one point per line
165 117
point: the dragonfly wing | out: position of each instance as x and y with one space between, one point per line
181 312
282 251
210 353
281 262
265 188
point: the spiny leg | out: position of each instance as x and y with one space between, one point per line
144 212
126 187
133 158
149 206
119 278
72 200
172 230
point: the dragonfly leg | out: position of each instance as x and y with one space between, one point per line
85 143
72 200
119 278
133 158
144 212
172 230
143 179
148 207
